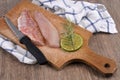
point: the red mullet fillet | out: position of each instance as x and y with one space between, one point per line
48 31
29 27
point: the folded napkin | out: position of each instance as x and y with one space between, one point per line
90 16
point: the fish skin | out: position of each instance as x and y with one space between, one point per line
48 31
29 27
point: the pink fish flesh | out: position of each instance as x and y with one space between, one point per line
29 27
48 31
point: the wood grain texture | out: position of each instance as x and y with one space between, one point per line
106 44
57 56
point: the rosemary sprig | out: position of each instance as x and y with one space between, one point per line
69 32
68 26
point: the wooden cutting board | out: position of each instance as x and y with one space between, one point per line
56 56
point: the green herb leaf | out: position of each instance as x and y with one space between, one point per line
69 32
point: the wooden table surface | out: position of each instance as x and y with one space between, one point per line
103 44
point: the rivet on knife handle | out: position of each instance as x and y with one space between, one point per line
27 42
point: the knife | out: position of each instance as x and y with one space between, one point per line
27 42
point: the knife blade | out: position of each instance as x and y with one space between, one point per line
27 42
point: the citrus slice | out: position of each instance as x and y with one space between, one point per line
75 44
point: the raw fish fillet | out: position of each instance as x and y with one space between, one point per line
48 31
29 27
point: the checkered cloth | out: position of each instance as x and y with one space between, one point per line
90 16
93 17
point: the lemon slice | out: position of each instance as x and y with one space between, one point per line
75 44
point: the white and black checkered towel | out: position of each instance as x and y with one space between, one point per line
90 16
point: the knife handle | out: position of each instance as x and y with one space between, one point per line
33 50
